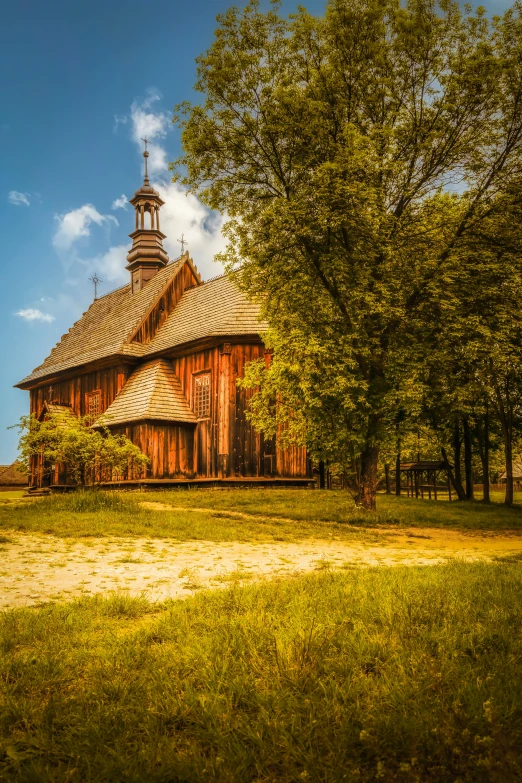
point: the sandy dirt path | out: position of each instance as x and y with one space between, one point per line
37 568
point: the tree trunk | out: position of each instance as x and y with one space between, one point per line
398 474
367 491
505 414
387 478
483 443
457 485
456 455
321 475
508 451
468 466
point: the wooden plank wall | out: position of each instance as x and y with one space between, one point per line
249 453
170 447
73 391
224 445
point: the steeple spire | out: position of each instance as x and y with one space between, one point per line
146 155
147 255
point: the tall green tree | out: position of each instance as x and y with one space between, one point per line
328 141
474 328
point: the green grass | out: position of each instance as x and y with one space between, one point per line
279 515
386 674
96 514
338 507
12 494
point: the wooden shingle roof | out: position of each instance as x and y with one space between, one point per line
214 309
153 392
104 329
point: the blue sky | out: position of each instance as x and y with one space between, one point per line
81 82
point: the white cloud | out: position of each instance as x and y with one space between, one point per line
186 214
110 266
121 203
33 314
76 224
151 125
17 198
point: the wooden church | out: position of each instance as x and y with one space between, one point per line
158 361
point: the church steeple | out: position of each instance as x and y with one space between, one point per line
147 255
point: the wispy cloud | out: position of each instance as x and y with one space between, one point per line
184 213
76 224
73 228
153 125
119 119
121 203
33 314
110 266
17 198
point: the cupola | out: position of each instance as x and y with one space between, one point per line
147 255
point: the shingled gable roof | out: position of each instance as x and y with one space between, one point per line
11 476
152 392
215 309
106 328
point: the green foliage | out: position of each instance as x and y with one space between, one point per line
88 455
331 143
399 674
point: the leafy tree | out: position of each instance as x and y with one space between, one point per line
328 141
479 329
88 455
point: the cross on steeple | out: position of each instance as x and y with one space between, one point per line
95 280
182 242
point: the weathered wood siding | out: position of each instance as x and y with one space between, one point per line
170 448
224 445
227 445
74 391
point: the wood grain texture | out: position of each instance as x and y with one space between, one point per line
224 445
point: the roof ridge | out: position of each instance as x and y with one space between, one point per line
158 296
155 366
113 291
216 277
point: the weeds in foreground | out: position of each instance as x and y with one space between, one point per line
386 674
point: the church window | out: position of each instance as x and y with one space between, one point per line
94 403
202 396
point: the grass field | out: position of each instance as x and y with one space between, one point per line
271 515
404 674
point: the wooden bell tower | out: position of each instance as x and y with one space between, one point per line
147 255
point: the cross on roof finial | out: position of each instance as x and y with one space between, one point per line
182 242
95 280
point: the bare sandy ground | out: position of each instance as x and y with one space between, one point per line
35 569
